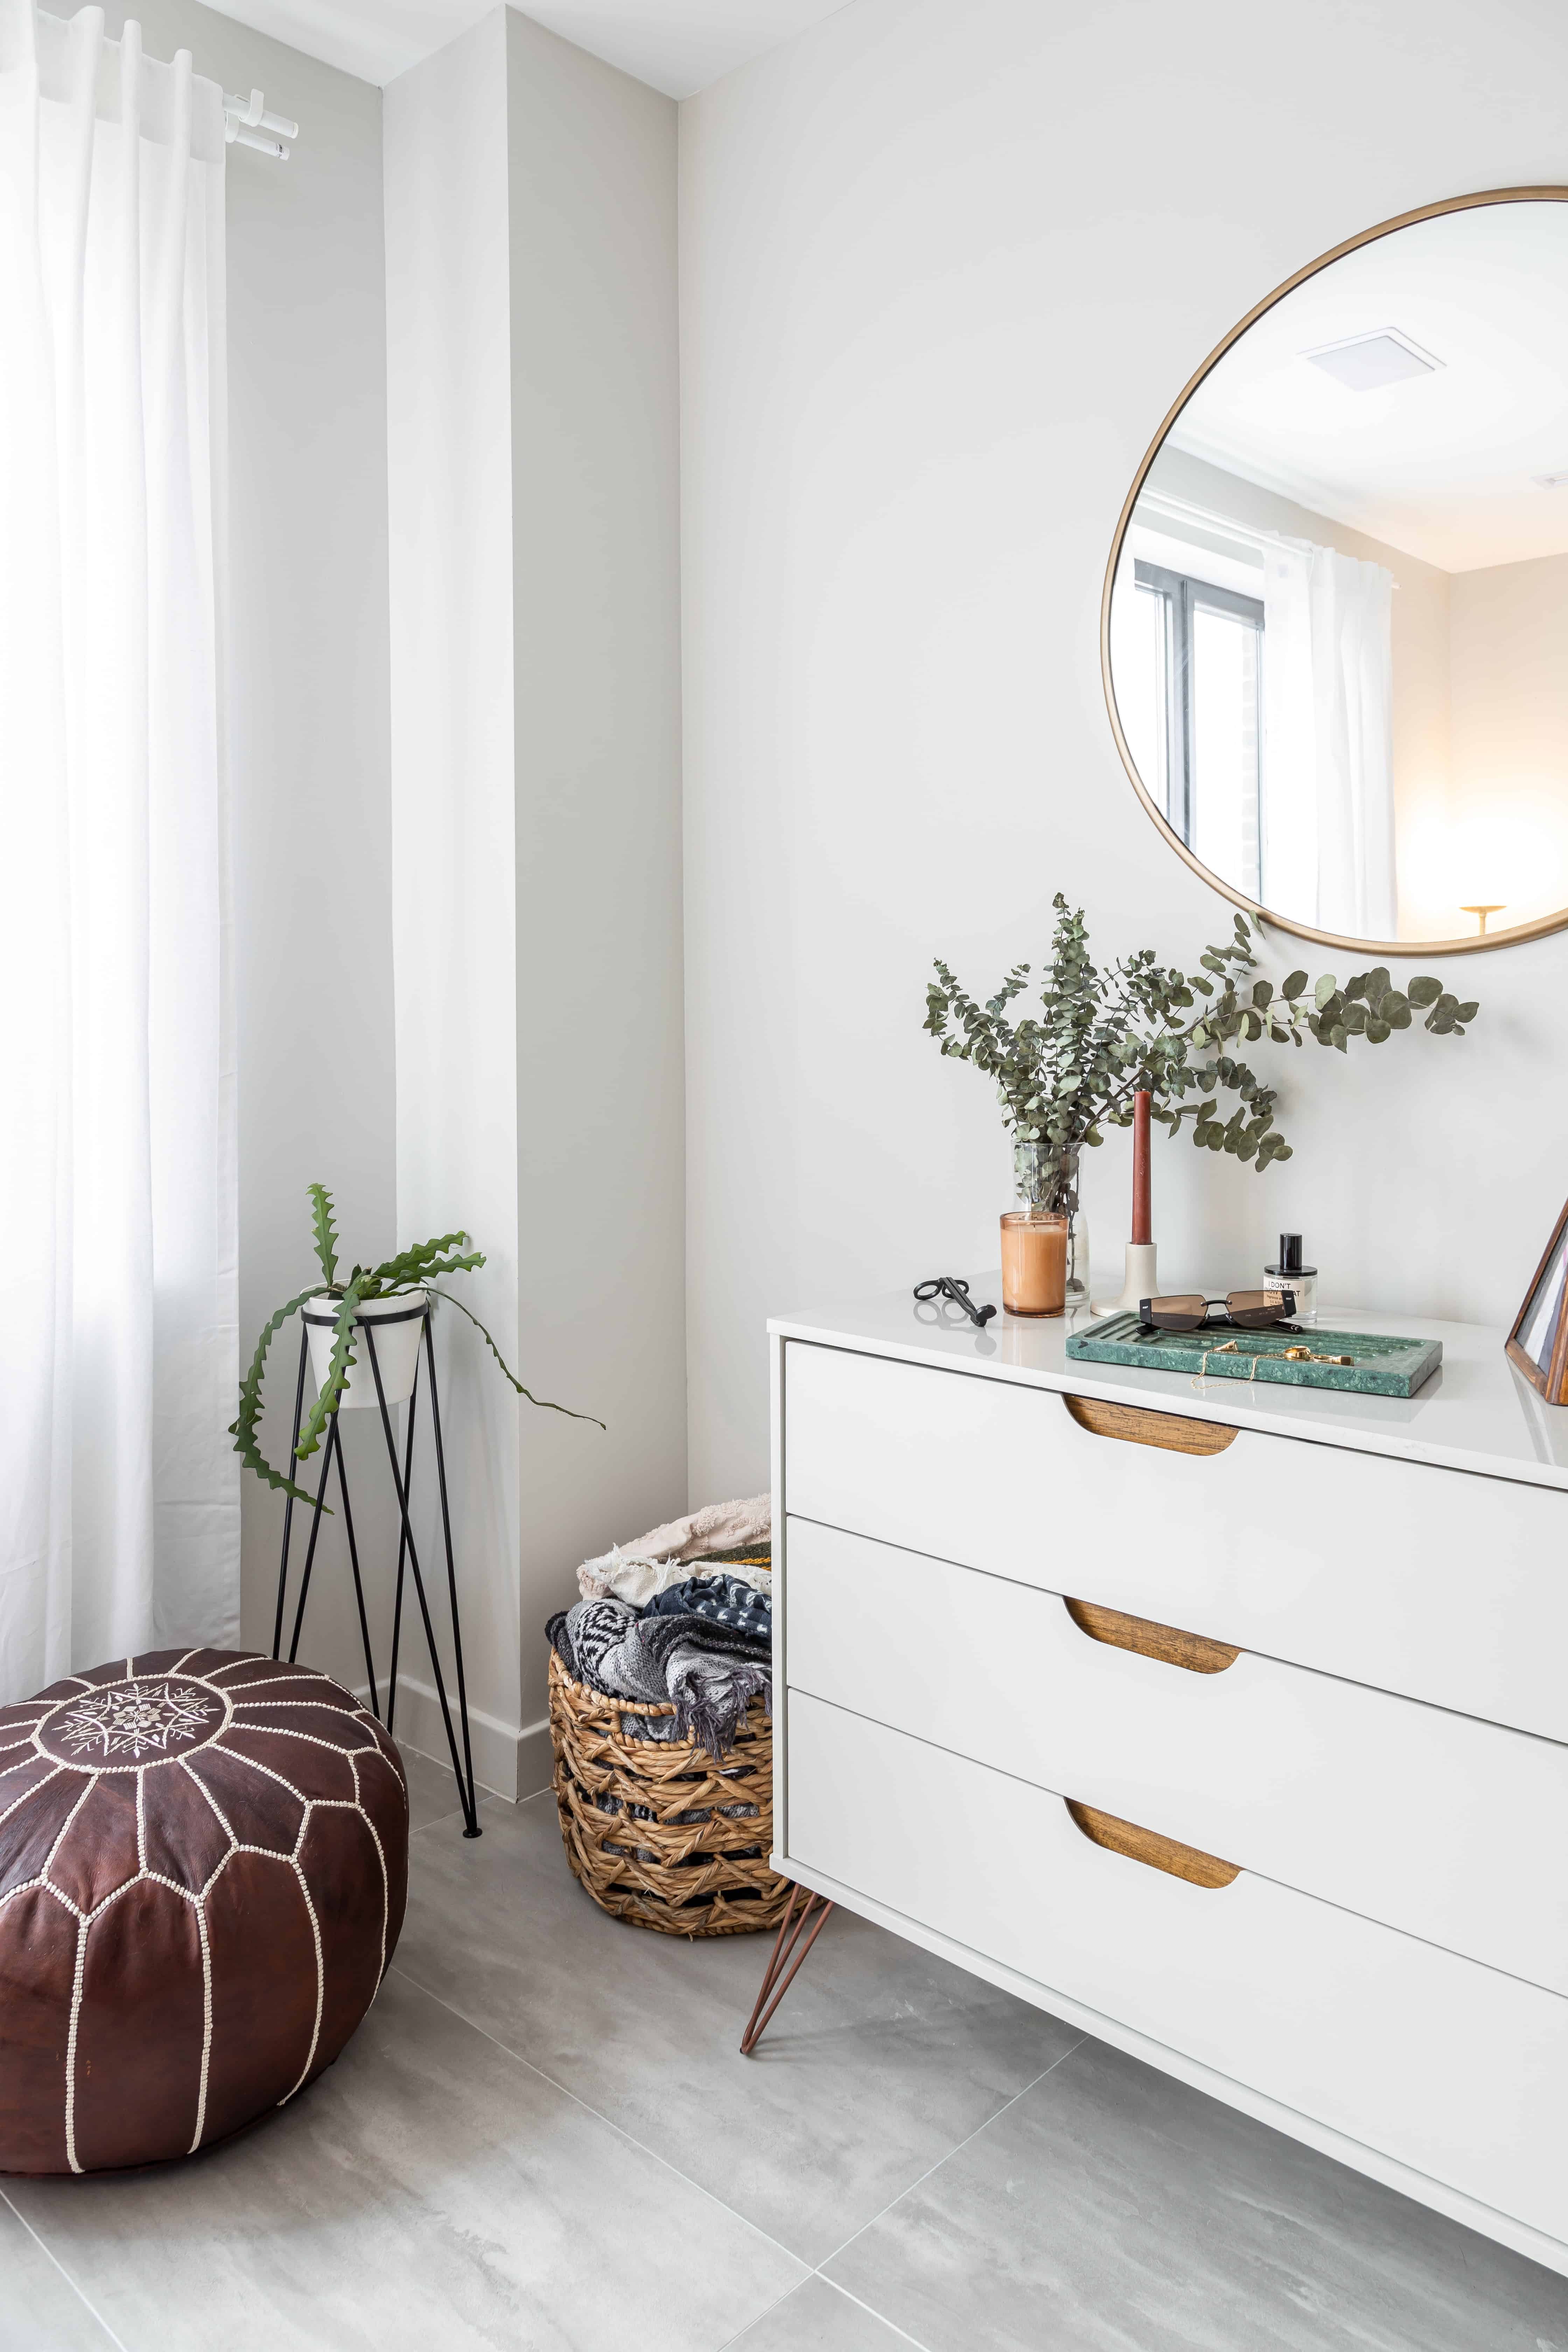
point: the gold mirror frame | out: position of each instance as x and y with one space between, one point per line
1402 947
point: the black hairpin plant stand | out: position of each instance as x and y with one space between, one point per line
407 1554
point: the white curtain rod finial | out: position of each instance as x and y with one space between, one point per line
244 118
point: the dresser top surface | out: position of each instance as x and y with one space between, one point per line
1475 1413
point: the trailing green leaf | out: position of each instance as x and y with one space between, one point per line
244 1427
338 1368
543 1403
421 1258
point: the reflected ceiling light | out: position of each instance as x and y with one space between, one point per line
1367 362
1549 481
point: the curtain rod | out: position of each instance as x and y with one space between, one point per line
246 124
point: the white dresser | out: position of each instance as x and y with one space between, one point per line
1228 1722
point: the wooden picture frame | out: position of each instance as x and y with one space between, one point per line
1537 1343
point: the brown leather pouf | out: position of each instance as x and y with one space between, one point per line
203 1855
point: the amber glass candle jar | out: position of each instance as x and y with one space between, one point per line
1034 1262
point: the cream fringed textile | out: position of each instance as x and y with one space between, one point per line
635 1571
118 1346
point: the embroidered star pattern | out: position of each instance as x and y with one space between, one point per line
136 1719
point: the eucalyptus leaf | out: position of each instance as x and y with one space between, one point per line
1325 988
1424 991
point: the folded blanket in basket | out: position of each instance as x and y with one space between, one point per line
636 1571
710 1672
729 1600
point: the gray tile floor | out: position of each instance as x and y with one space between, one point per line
543 2138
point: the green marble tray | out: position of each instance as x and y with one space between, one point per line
1383 1366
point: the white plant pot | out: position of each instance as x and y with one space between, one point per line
399 1318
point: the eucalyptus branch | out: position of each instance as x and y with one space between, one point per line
1104 1036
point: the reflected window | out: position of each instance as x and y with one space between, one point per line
1197 676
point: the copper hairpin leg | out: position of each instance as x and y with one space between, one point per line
788 1952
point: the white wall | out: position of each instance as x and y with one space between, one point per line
597 553
945 265
454 896
307 374
531 347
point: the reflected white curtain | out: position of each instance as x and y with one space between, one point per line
119 1493
1327 743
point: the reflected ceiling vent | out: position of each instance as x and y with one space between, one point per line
1366 363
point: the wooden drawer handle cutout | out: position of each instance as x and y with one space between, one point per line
1178 1432
1166 1642
1147 1845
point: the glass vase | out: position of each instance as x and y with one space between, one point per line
1045 1177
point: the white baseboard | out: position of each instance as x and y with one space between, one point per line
510 1761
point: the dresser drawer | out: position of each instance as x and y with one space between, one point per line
1447 1587
1442 1824
1449 2067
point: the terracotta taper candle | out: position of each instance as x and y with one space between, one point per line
1140 1232
1141 1276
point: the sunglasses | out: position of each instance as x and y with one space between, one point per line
1245 1311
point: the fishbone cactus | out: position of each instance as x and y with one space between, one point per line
411 1269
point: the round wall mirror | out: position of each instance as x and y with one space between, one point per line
1335 623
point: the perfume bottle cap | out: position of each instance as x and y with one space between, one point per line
1290 1260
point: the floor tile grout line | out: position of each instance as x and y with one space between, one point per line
731 2342
49 2254
609 2122
892 2325
1021 2094
746 2326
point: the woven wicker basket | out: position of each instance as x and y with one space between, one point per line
659 1832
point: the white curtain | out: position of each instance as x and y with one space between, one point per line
119 1493
1327 740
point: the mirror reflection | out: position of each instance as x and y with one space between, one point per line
1338 632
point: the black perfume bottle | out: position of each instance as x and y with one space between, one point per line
1290 1274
